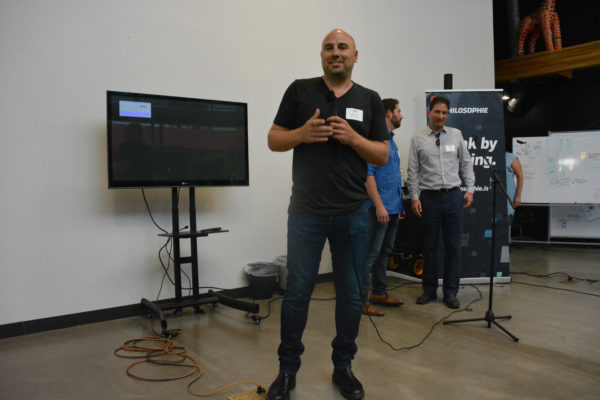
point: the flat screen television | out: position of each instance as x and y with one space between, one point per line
166 141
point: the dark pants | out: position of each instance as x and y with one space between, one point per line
442 213
380 243
306 238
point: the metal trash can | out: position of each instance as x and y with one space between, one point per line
262 279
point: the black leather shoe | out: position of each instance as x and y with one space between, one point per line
281 386
426 298
349 386
451 302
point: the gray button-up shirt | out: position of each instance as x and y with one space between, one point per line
432 167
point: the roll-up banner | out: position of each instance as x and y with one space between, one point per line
479 115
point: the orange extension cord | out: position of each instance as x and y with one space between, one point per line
165 348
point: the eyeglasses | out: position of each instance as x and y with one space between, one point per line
437 140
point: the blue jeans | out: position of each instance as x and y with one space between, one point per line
442 212
306 238
380 243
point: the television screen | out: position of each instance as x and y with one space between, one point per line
166 141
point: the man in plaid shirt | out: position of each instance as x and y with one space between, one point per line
384 185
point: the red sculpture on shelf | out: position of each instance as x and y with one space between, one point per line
543 21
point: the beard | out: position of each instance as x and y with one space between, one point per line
339 75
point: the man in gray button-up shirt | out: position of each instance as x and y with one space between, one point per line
438 159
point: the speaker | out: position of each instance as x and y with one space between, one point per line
447 81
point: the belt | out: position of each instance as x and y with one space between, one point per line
442 191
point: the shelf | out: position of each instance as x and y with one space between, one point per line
558 62
188 234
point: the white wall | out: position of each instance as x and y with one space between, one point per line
67 243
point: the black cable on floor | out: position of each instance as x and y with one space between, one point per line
257 318
466 308
555 288
553 274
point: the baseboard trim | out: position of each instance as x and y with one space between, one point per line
69 320
107 314
88 317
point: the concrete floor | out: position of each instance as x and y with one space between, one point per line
557 357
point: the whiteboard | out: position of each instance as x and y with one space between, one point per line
582 222
575 221
560 169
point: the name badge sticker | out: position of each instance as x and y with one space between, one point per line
450 147
355 114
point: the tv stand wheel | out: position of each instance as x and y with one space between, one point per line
199 310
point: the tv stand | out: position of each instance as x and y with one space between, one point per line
196 299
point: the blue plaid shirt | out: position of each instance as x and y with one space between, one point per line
389 181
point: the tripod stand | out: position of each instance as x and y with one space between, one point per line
489 317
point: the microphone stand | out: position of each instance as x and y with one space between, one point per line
489 317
